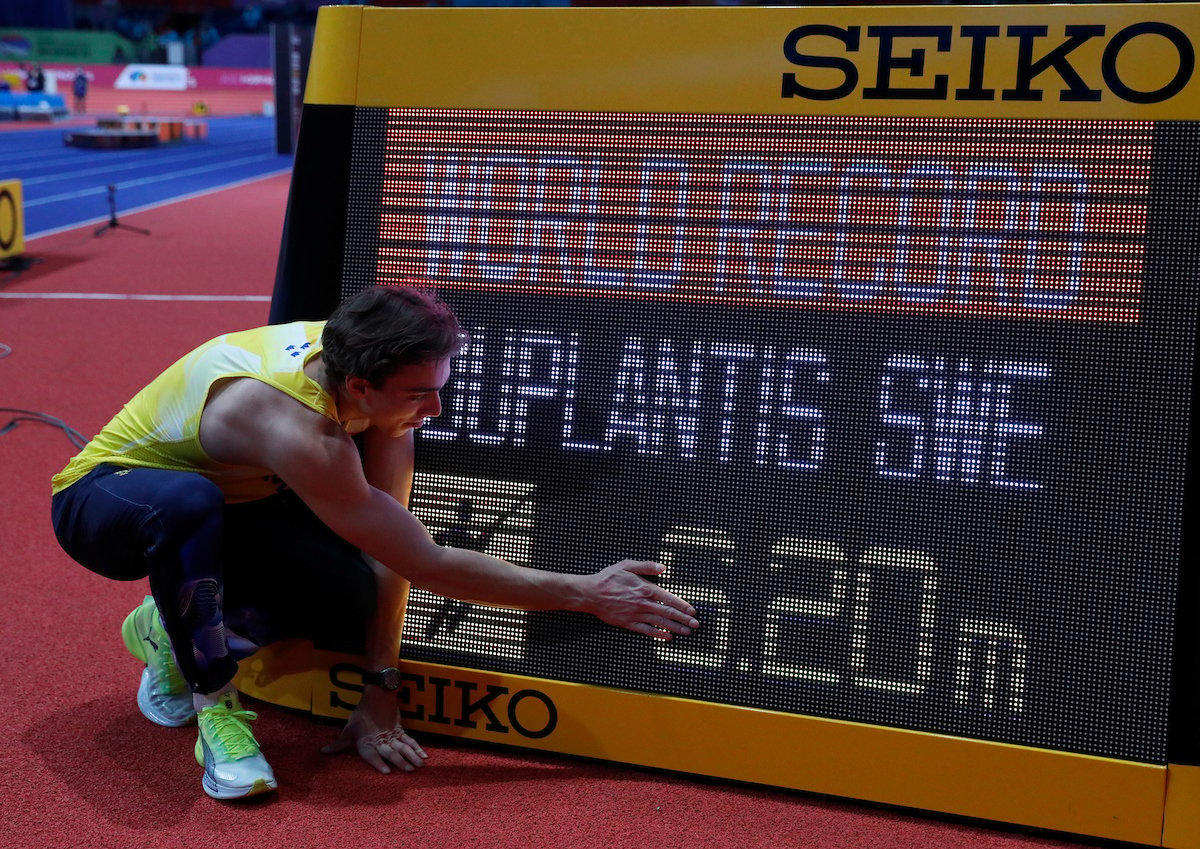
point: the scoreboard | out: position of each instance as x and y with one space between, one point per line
876 325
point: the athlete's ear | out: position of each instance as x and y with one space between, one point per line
356 387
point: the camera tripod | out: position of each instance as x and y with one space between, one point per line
113 223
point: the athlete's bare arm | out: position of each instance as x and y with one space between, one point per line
375 728
248 423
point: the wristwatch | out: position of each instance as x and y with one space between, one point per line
388 678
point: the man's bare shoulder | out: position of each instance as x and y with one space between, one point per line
248 422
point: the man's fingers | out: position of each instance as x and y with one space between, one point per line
398 750
415 746
369 751
383 751
405 754
643 567
674 625
629 601
407 746
651 631
671 612
659 595
682 613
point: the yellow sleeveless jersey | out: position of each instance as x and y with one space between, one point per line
160 427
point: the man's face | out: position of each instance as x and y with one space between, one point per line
407 398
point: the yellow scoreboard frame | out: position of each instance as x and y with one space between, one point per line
1128 61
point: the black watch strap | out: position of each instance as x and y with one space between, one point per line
388 678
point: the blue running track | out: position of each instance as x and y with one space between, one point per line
67 187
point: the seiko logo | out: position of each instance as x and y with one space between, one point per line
464 704
902 51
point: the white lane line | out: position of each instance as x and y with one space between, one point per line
196 194
117 296
136 164
144 181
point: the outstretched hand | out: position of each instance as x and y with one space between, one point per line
619 596
374 731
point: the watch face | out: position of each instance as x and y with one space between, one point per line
390 678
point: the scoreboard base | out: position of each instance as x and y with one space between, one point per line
1181 819
1058 791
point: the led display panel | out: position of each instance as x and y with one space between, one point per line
902 403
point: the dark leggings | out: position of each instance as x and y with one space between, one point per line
263 570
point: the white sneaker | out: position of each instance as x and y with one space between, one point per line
233 764
163 696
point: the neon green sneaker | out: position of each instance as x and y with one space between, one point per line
233 764
163 695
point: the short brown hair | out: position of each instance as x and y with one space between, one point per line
385 328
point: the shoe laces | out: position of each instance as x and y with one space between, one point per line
231 728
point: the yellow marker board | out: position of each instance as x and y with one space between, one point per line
12 219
